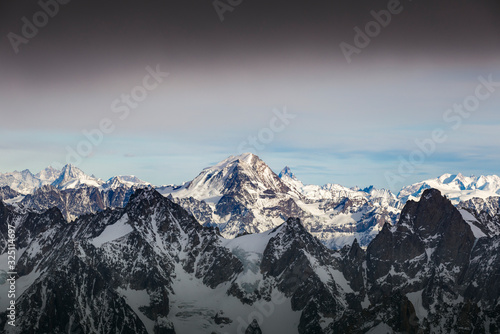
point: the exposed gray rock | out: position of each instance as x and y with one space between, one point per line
253 328
76 202
7 193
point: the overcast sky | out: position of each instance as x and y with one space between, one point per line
353 121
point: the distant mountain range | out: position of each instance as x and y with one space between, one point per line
70 190
457 188
70 177
243 195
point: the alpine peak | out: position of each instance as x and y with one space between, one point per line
287 172
72 177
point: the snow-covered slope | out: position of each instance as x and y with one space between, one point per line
339 215
485 213
23 182
457 188
128 181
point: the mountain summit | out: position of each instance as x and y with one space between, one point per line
246 174
48 175
287 172
241 194
72 177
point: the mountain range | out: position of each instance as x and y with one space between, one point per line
151 267
70 177
243 195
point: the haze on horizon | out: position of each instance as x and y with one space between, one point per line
352 122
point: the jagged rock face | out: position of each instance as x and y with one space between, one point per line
93 269
7 217
481 276
292 258
286 246
76 202
81 302
352 266
491 205
7 193
431 229
150 267
198 209
424 259
487 213
435 220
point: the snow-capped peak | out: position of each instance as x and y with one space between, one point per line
69 172
48 175
287 172
446 178
72 177
124 181
247 158
245 173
